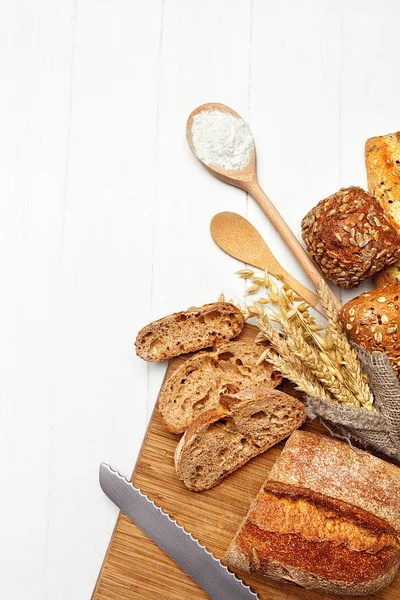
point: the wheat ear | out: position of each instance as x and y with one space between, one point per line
302 380
296 369
359 380
318 363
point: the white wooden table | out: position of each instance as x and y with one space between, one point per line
105 216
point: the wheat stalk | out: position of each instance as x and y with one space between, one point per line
319 360
358 380
299 377
300 372
318 363
278 343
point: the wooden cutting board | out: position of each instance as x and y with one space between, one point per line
134 567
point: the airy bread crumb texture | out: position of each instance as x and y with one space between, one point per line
223 439
198 384
188 331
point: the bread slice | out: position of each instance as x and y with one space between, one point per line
223 439
188 331
327 518
197 385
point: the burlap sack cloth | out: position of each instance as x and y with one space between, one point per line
379 429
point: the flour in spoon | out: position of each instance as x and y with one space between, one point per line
220 138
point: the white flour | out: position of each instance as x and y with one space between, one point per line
219 138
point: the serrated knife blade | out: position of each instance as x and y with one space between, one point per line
206 570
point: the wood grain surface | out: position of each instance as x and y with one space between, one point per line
134 566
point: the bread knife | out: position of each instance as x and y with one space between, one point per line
205 570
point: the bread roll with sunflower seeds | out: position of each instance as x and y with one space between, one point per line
350 237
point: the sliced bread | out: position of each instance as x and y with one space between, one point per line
188 331
197 385
224 438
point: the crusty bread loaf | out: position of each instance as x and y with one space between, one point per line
382 159
328 517
349 237
372 320
224 438
188 331
198 384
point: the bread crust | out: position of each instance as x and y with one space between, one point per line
237 559
322 465
182 398
382 160
189 331
372 320
321 566
340 507
349 237
389 275
327 518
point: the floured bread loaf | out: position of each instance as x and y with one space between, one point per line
372 320
328 517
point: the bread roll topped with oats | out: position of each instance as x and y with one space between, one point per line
372 320
350 237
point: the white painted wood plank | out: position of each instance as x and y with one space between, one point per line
36 40
105 282
369 90
294 111
205 58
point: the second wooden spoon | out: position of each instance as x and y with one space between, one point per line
238 238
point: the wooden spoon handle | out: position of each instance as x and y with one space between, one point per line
254 189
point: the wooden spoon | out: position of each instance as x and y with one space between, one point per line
238 238
247 180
